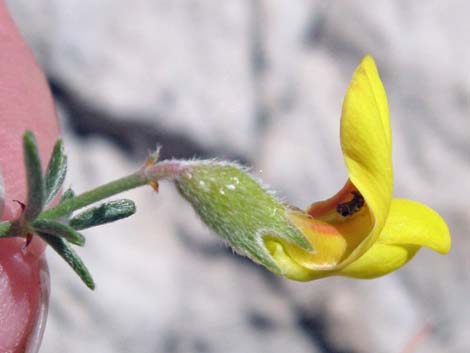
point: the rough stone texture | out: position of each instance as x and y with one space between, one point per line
262 81
183 64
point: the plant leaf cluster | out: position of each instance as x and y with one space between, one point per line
60 232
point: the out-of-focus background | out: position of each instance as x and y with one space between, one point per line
260 82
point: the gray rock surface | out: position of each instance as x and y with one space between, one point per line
262 81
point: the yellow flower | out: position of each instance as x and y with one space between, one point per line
361 231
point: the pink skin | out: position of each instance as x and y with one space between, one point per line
25 103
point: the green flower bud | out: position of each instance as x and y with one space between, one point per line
237 207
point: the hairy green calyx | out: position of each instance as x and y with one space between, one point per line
237 207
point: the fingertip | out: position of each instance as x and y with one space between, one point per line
23 294
25 103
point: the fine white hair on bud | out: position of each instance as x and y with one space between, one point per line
238 208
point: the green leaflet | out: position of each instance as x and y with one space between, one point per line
56 171
59 230
67 195
35 183
104 213
70 256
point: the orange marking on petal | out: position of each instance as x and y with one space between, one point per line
326 209
332 236
324 228
308 224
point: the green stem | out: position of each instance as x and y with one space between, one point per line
149 174
104 191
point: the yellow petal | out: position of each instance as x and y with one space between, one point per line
332 236
379 260
412 223
366 144
289 267
409 226
339 239
368 235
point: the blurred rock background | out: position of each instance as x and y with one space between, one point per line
261 82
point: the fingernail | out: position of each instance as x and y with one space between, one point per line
34 341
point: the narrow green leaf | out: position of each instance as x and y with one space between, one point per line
4 228
70 256
67 195
104 213
59 230
35 181
56 171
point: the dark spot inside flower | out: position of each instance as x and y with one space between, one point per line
350 207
